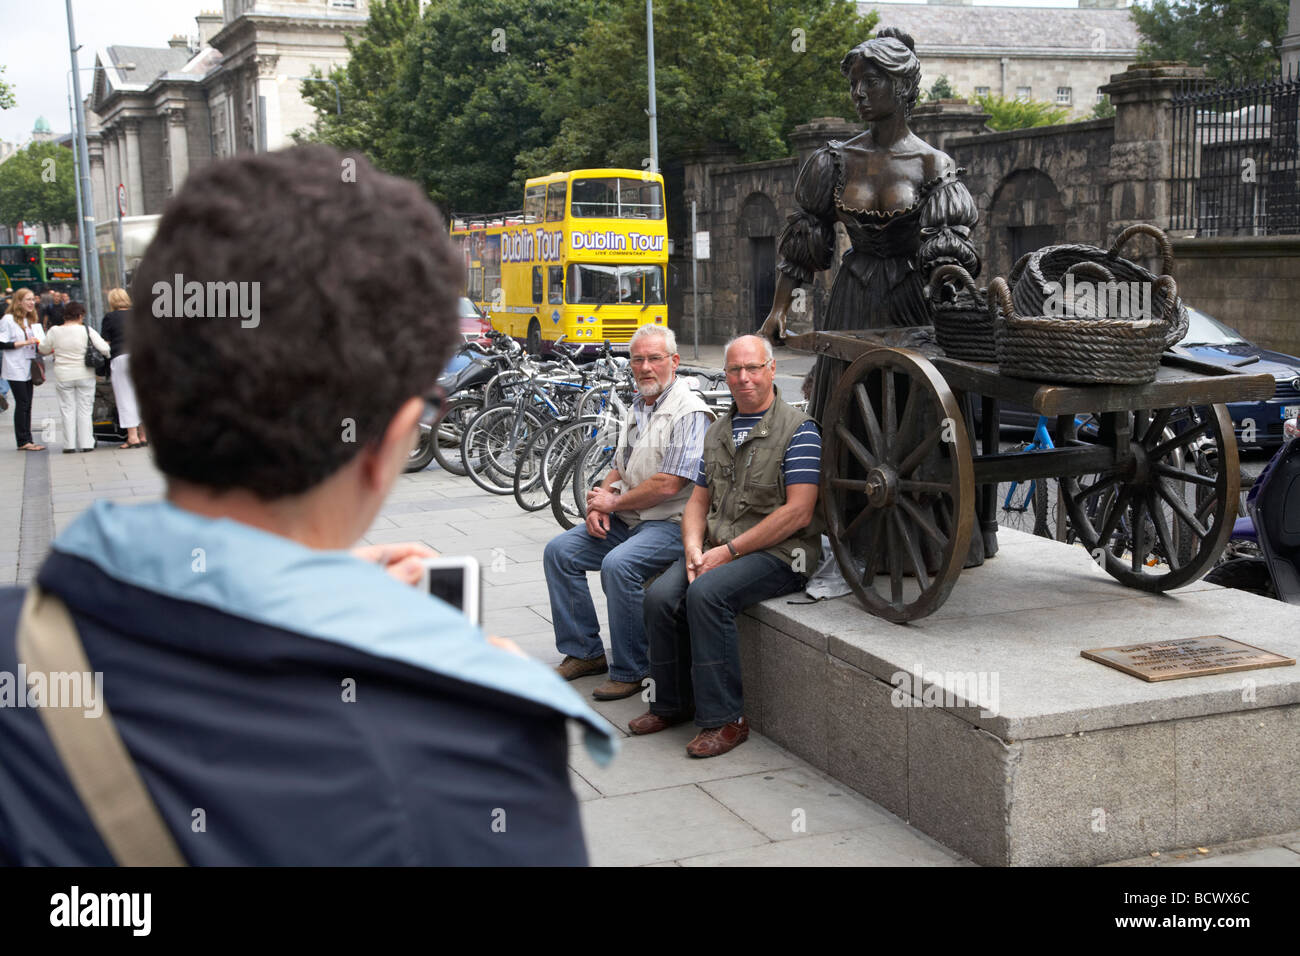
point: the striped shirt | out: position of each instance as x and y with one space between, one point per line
802 463
685 448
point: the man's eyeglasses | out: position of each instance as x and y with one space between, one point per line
433 405
648 359
734 370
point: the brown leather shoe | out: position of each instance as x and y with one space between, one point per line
571 668
716 741
616 689
649 723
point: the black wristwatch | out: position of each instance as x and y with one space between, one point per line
732 549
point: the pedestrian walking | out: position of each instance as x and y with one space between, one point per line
52 305
20 334
74 381
128 412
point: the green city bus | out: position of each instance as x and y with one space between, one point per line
41 266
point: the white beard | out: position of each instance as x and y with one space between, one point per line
650 391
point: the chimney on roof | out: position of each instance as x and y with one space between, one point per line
210 24
179 42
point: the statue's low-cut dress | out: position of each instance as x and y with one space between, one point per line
881 281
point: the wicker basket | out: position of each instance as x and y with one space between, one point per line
1081 350
1037 277
963 324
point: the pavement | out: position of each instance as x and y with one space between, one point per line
653 806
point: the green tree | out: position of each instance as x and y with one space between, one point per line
1007 114
476 92
1232 39
942 90
1104 109
7 100
37 186
741 74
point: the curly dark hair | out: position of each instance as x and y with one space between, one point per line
277 406
894 51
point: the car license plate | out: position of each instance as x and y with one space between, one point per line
1290 411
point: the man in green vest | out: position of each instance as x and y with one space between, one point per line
750 531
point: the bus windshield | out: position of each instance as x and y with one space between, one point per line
617 197
608 285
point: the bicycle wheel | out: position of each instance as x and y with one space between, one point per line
568 439
492 444
504 387
531 492
1016 505
446 451
562 505
594 460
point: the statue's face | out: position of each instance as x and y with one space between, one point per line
872 90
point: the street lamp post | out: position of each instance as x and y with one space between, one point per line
90 263
85 209
650 59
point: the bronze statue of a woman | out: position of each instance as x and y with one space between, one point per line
899 199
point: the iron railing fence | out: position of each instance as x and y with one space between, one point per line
1236 158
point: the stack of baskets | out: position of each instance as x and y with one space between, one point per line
1042 333
963 324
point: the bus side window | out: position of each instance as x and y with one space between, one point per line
534 203
555 289
537 285
556 194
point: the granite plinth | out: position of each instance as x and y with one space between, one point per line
984 727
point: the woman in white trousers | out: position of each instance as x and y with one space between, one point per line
114 328
74 381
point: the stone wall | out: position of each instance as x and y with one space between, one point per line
1248 282
1034 187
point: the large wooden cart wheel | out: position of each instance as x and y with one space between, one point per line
897 483
1160 518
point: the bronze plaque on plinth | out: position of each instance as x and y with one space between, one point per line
1186 657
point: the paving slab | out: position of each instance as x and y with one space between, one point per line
662 825
789 804
870 846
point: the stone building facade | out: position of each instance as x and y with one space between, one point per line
1057 55
155 113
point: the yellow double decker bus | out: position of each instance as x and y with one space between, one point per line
586 257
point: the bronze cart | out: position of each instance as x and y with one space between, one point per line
900 476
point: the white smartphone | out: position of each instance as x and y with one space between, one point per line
456 581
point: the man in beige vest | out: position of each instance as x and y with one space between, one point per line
750 531
633 527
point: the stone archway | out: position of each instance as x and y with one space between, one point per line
1026 213
757 228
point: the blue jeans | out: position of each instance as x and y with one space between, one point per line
694 652
625 557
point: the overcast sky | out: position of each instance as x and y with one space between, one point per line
34 46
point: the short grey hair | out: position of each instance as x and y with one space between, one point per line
767 345
670 340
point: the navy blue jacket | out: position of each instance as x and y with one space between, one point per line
226 655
